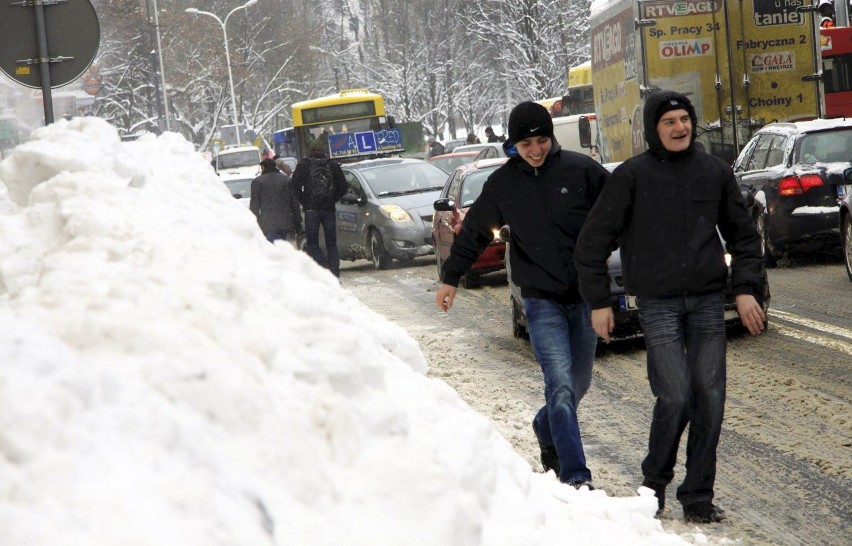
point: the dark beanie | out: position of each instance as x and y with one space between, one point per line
672 103
529 119
268 165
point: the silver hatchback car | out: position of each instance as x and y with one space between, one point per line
387 212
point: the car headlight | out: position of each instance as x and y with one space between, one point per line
395 213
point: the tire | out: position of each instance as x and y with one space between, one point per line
769 255
471 280
518 331
381 258
846 232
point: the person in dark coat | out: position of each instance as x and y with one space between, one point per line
489 133
543 193
664 206
434 148
273 202
318 196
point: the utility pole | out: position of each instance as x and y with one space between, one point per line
162 73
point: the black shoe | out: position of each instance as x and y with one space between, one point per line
702 512
659 492
549 458
577 484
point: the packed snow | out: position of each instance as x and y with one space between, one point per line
170 377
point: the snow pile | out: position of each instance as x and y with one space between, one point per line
169 377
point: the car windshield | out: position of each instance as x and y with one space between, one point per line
403 178
472 186
241 186
448 164
825 147
247 158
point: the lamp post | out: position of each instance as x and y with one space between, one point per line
227 55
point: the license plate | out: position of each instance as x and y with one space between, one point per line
626 302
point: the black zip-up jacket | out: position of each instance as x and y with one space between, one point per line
545 209
664 209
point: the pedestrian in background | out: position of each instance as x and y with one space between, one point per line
320 183
664 205
273 202
489 133
543 193
433 148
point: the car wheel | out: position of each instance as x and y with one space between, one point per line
471 280
381 258
769 255
847 243
519 331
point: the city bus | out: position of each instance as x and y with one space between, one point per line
836 49
580 98
351 124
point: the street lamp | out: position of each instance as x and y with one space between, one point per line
227 55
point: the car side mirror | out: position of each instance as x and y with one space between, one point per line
584 127
847 175
444 205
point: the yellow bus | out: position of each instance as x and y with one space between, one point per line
351 124
580 98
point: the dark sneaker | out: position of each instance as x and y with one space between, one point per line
579 484
549 458
702 512
659 492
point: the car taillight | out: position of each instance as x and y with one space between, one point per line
795 185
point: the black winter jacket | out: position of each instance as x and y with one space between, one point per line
664 209
302 182
545 208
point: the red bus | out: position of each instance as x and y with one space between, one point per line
836 47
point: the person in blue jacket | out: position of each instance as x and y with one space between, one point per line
544 194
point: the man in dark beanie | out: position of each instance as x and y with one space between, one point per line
543 194
665 205
273 202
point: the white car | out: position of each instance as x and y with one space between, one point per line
237 160
487 150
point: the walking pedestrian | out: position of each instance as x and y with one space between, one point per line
543 193
665 205
273 202
319 184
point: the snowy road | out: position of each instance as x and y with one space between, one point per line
785 459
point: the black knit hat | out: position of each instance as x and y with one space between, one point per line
529 119
672 103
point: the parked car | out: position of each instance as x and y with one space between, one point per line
451 145
237 160
624 305
460 191
448 162
387 212
486 150
791 173
844 192
240 187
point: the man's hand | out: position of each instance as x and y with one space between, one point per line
445 296
603 321
750 313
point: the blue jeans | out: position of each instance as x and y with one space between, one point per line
685 337
564 344
325 218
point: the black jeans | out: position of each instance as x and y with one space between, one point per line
325 218
685 337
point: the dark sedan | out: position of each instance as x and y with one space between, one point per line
844 192
793 172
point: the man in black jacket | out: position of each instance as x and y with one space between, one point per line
664 206
273 202
544 194
319 184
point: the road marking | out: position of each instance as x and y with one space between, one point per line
841 346
815 324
